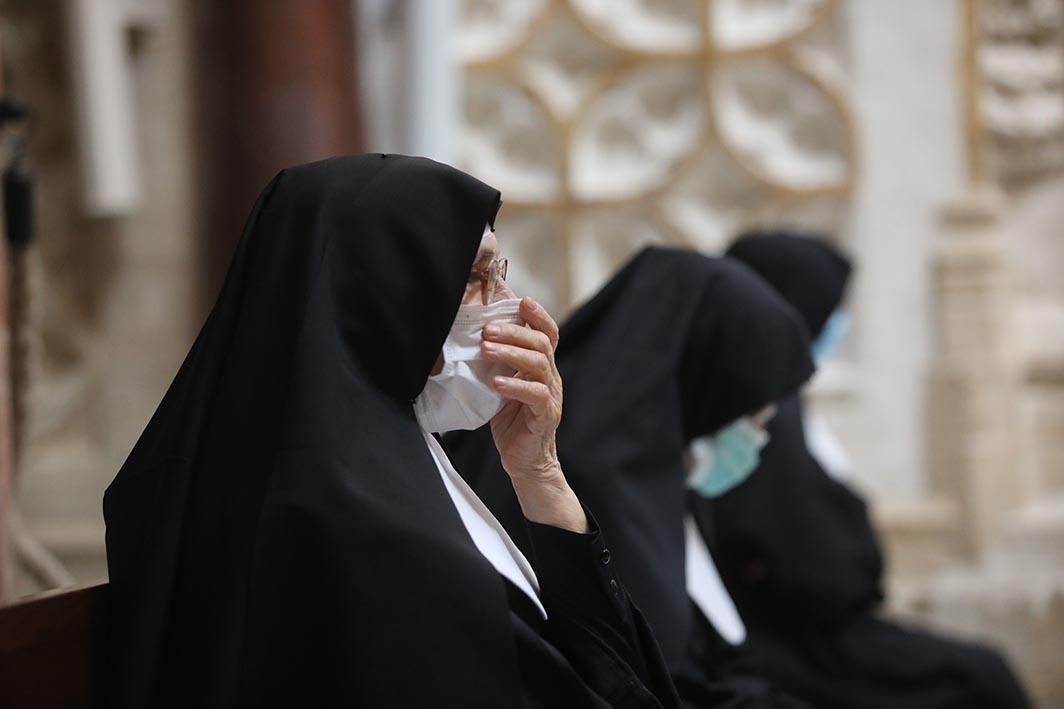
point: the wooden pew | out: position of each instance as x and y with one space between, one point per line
52 650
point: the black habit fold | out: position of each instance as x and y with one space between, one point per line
802 539
798 553
675 346
280 535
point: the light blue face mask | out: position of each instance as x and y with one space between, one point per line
835 332
726 458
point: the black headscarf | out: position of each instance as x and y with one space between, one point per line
793 544
280 534
806 270
675 346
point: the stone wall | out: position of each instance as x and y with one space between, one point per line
611 125
996 385
112 300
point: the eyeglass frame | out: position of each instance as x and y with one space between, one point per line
496 270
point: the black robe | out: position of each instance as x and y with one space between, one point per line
792 541
676 345
798 553
280 535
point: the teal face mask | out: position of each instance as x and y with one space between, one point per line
835 331
726 458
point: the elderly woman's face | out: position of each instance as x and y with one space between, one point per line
479 283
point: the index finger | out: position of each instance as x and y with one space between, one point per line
537 317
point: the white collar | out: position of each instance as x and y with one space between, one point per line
488 534
706 589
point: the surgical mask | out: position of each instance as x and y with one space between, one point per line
725 459
835 331
461 397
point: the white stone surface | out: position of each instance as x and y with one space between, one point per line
113 302
910 145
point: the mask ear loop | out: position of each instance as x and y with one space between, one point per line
485 296
763 417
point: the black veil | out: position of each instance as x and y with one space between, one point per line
807 271
271 537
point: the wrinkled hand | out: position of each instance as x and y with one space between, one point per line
524 430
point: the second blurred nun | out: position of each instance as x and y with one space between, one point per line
675 346
798 551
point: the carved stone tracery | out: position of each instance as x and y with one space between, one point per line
1020 56
610 124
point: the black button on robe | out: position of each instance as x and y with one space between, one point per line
280 535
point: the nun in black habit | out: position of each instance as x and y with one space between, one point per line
675 346
797 550
287 531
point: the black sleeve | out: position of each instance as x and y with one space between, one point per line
593 621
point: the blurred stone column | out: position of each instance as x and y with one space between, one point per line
433 92
276 85
972 396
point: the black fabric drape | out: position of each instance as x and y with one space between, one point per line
791 541
882 664
595 649
281 502
719 675
676 345
280 535
806 270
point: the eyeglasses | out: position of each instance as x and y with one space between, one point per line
488 278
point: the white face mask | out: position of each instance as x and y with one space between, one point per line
461 397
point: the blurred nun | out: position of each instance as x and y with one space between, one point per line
676 346
798 551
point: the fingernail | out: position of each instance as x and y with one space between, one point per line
492 330
499 381
490 347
